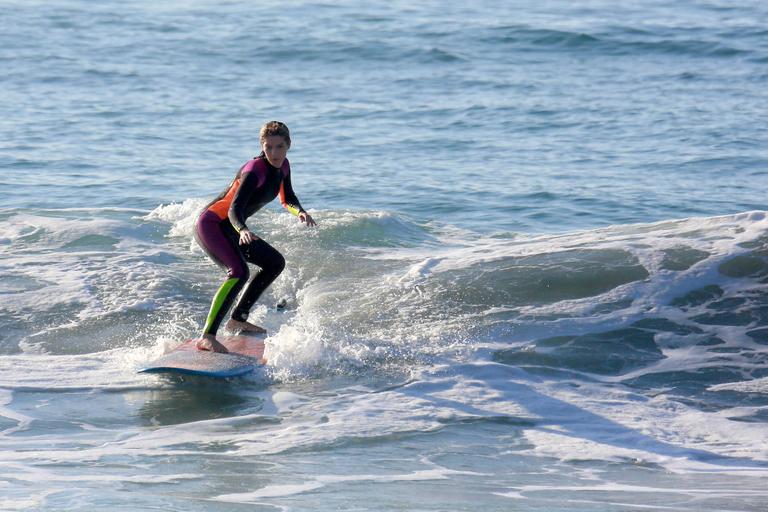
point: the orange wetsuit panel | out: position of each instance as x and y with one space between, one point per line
221 207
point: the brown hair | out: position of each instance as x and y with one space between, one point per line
275 128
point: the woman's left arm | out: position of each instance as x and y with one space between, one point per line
291 203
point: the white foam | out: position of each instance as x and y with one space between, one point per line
110 370
61 277
279 491
748 386
380 315
525 492
594 424
181 216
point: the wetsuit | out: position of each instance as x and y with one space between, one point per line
217 231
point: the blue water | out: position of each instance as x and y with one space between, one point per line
537 283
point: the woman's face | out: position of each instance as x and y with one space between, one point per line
275 148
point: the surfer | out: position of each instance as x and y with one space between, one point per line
222 233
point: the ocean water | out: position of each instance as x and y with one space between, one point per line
539 280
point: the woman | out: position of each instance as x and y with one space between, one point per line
221 232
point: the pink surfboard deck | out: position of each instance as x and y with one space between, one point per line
246 354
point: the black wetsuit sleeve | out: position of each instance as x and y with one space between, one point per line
238 210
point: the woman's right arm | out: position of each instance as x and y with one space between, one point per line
249 182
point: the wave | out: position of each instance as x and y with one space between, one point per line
617 41
674 304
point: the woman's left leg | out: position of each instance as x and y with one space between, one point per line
271 264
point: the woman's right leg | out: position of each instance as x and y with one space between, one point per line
225 253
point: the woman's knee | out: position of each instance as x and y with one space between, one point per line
273 265
279 263
239 271
266 257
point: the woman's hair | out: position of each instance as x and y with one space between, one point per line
274 128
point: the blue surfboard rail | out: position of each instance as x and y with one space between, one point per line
224 374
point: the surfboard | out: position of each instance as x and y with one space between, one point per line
246 353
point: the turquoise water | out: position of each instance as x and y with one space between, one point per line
537 282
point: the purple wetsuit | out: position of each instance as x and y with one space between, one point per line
218 232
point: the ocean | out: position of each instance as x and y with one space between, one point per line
539 280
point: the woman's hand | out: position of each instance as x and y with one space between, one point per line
307 218
247 236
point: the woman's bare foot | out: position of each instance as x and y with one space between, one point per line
239 326
210 343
